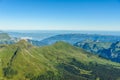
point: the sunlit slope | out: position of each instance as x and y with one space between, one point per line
60 61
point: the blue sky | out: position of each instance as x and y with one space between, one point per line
60 15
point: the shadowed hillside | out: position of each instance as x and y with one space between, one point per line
107 50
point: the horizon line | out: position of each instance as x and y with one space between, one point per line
51 30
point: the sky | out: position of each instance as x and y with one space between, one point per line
100 15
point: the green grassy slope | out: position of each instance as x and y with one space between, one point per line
60 61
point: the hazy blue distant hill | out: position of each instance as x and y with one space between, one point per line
73 38
36 43
42 34
34 35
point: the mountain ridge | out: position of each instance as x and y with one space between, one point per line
59 61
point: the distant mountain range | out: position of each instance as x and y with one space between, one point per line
59 61
109 50
73 38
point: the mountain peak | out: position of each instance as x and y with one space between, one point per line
23 44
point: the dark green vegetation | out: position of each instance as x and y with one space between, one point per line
60 61
107 50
